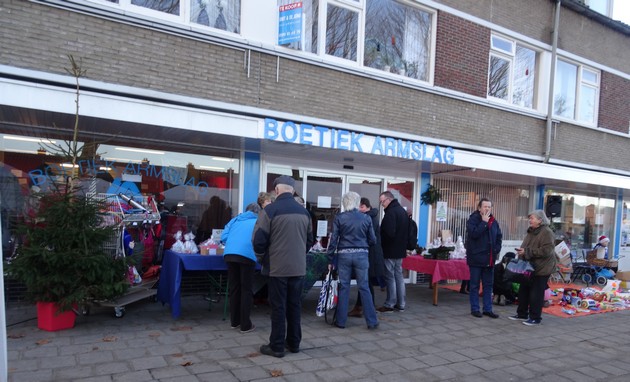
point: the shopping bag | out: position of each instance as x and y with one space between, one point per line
518 271
328 296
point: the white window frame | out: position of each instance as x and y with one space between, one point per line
322 27
510 56
359 6
580 81
182 18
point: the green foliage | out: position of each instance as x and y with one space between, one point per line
431 195
64 257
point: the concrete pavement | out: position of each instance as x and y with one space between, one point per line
424 343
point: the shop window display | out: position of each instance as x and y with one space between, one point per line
582 220
186 187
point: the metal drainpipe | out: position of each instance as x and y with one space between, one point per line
552 79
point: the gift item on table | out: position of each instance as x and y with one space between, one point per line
460 251
317 247
210 247
178 246
189 244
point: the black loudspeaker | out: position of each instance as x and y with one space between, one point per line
554 206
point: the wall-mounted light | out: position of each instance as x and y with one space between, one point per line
139 150
27 139
222 159
212 168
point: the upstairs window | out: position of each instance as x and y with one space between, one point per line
391 36
512 72
217 14
398 39
576 91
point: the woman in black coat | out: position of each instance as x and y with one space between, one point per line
375 256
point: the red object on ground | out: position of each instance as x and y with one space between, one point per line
48 319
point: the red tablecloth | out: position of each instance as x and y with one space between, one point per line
438 269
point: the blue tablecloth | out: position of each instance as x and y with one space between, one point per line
173 264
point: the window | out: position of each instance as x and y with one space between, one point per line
512 72
342 30
217 14
382 34
583 219
576 91
398 39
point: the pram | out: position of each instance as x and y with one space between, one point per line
594 271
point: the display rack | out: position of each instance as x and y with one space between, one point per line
125 212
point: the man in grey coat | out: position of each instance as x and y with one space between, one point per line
282 237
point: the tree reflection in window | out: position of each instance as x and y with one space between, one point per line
218 14
342 30
397 39
511 74
499 78
166 6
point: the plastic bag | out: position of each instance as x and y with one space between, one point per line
328 295
518 271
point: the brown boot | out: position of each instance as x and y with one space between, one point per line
357 311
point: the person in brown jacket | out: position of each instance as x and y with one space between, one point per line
537 248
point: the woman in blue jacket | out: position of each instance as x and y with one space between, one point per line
241 263
351 237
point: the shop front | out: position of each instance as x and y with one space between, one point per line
201 162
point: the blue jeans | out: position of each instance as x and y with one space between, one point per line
346 264
485 275
395 284
285 298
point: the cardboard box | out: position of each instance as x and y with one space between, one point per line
624 276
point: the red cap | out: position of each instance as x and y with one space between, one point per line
603 239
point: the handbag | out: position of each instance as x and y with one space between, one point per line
328 296
518 271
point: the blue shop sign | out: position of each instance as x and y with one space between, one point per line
339 139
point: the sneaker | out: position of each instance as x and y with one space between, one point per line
516 317
531 322
235 326
267 350
476 314
491 314
249 330
398 309
384 309
373 327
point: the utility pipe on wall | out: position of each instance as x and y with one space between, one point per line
552 80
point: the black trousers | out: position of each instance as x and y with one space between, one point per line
285 298
240 277
531 297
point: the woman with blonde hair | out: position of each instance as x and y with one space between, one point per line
538 248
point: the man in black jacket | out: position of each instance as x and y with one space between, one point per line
394 232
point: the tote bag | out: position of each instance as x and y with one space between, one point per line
328 296
518 271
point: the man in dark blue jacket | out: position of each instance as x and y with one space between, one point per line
483 246
394 232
